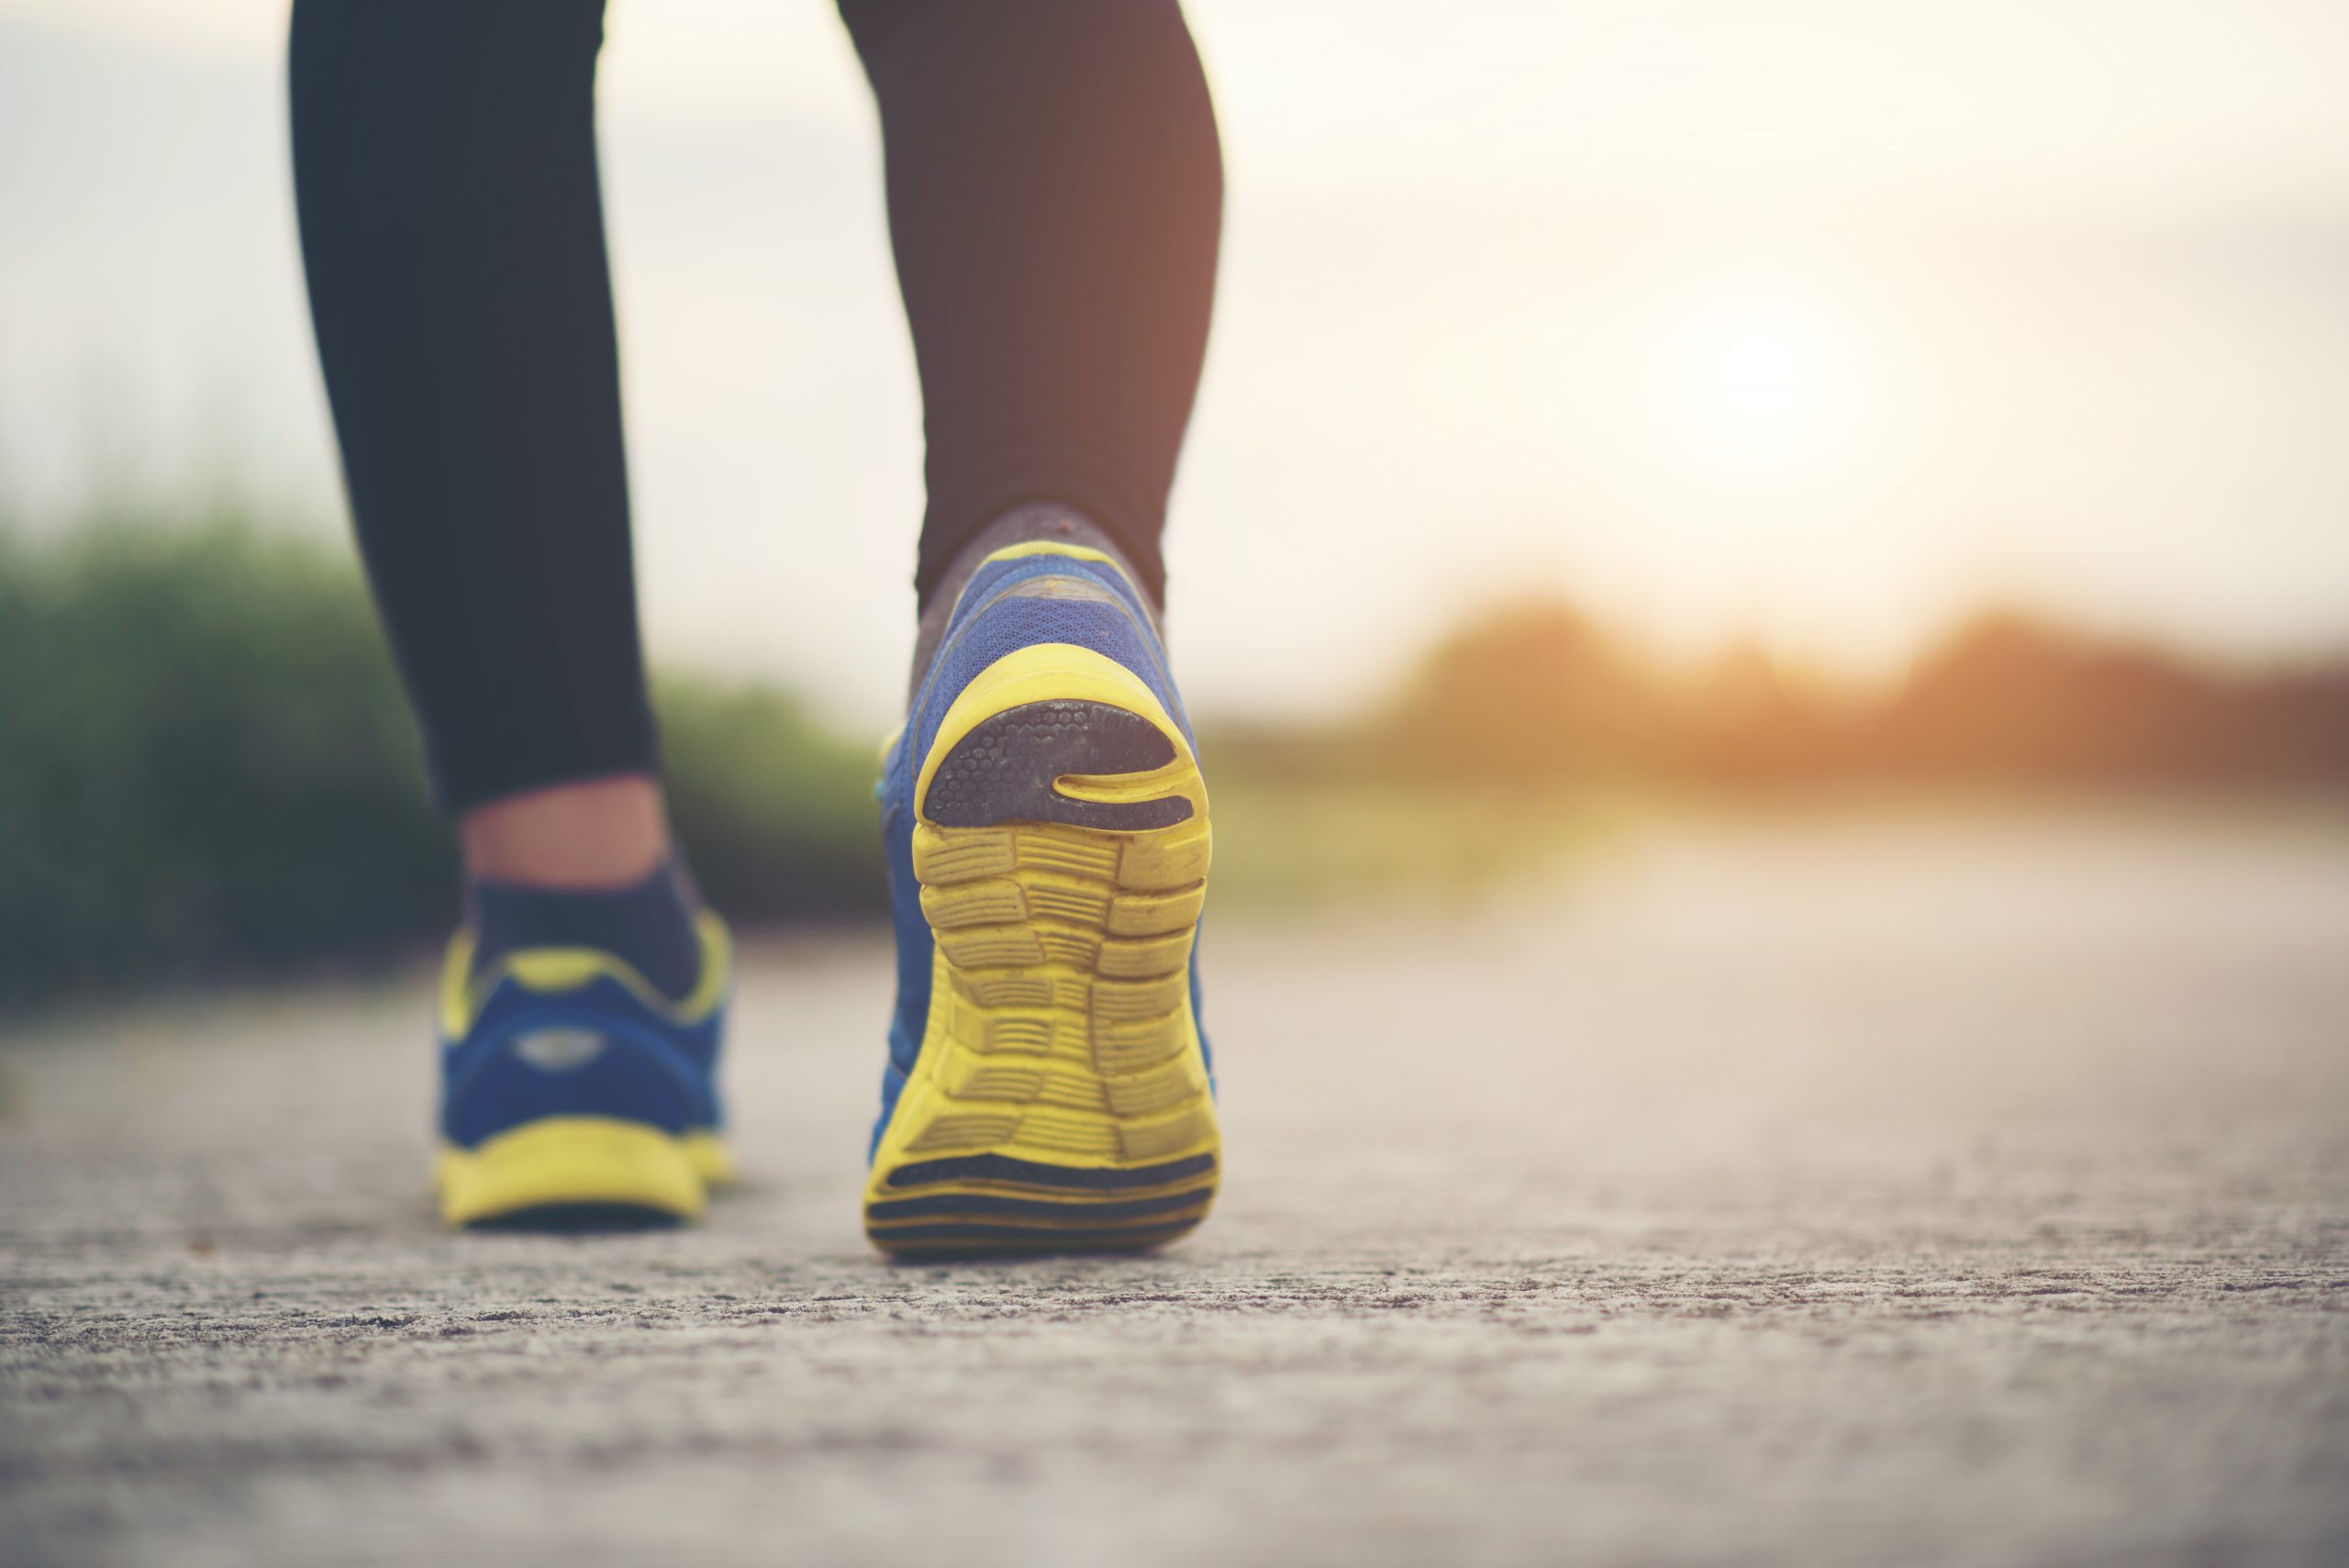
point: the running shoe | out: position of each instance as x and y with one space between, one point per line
1048 1086
573 1090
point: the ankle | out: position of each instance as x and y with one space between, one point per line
596 834
1021 524
650 925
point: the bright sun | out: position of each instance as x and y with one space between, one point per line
1767 459
1762 390
1762 377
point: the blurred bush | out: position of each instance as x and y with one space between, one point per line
206 770
1533 694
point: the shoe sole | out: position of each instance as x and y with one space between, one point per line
1060 1101
568 1170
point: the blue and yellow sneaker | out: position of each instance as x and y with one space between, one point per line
571 1085
1048 1086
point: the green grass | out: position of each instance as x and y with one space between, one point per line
207 772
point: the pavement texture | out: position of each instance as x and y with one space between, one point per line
1865 1190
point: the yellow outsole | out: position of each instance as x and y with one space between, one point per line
1060 1101
573 1162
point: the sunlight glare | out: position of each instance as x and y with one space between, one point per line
1761 377
1762 390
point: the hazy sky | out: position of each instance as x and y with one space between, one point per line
1811 323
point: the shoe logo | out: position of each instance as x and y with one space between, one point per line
559 1049
1079 589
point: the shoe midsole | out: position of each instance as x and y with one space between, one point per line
561 1161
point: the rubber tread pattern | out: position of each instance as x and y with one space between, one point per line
1039 1208
957 1239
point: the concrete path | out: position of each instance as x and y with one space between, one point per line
1867 1194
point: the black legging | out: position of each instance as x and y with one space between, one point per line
1054 194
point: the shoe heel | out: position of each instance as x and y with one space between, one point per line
1061 1099
556 1163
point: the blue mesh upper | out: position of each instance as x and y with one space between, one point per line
914 958
994 618
649 1070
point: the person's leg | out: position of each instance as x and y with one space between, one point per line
444 161
444 156
1054 195
445 171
